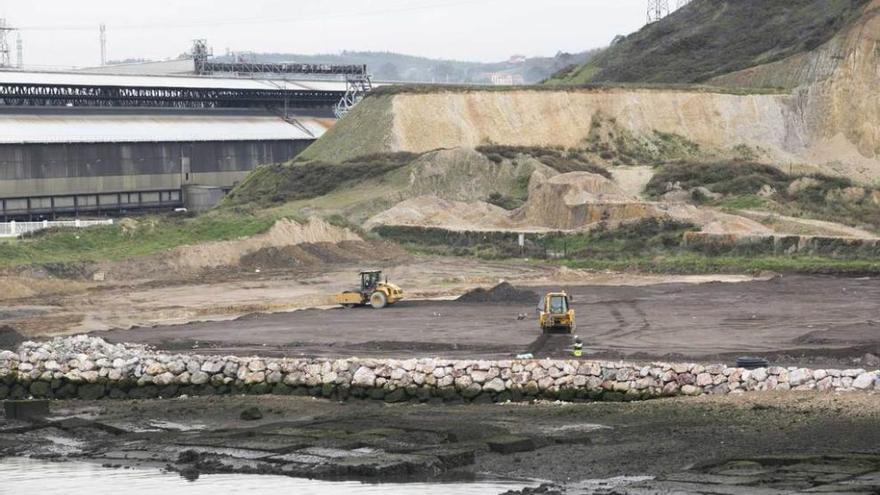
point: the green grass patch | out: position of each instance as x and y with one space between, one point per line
143 237
558 159
688 263
646 236
617 145
746 202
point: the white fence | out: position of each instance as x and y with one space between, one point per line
17 229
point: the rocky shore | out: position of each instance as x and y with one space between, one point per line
89 368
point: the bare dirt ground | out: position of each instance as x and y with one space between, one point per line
700 445
792 320
63 307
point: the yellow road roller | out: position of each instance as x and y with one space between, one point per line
373 292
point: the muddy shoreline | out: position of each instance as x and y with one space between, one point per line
560 442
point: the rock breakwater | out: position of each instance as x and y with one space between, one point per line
89 368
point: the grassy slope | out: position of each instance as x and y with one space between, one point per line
152 235
709 38
364 131
699 264
820 198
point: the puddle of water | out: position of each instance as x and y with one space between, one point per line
61 478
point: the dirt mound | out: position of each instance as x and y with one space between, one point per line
555 209
431 211
712 221
30 283
312 254
10 339
501 293
284 233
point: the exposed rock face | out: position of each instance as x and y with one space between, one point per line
828 117
579 199
26 372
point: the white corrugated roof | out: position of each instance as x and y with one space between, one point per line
82 79
53 128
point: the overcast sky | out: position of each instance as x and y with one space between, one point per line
65 32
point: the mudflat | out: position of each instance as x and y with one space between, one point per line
816 437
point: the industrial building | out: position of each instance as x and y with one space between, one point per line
73 143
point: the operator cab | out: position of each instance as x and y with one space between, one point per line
558 304
370 280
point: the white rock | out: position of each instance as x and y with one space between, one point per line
759 375
255 378
496 385
853 373
479 376
691 390
199 378
164 379
799 377
364 377
865 381
704 379
212 367
155 369
176 367
230 368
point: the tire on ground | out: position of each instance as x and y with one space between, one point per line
378 300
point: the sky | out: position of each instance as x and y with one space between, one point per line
64 33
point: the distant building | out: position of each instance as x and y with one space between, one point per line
506 79
77 143
517 59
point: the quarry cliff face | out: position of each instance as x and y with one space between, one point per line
837 86
817 126
829 122
564 118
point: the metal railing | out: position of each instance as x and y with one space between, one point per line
18 229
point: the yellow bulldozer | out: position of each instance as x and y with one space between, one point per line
373 292
555 314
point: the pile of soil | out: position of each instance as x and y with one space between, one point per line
501 293
10 339
312 254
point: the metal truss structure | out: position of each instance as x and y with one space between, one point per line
356 88
657 9
357 80
5 54
32 94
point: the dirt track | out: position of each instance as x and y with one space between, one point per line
791 319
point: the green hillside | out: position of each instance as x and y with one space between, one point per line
708 38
